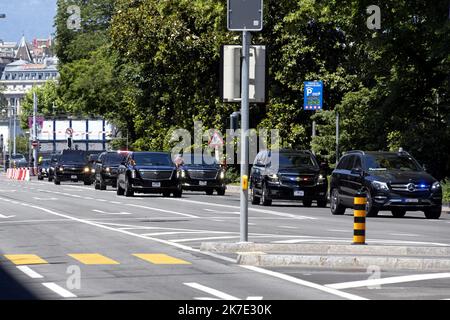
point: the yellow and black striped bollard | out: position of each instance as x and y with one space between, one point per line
359 214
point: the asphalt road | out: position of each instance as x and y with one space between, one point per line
74 242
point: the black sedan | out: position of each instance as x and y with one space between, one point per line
202 173
148 172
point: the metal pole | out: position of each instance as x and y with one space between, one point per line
337 137
35 149
14 127
246 40
313 128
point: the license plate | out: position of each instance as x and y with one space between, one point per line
299 193
411 200
203 183
73 177
156 184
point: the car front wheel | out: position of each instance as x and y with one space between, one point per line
433 213
371 210
398 213
120 190
266 201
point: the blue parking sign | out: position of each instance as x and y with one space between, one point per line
312 99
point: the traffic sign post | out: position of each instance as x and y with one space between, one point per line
245 16
312 99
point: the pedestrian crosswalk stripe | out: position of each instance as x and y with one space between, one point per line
25 259
92 258
160 258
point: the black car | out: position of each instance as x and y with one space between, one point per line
148 172
106 169
288 175
202 173
72 166
90 168
43 169
392 181
52 166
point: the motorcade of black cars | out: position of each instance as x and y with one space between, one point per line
71 166
392 181
107 168
43 168
148 172
202 173
288 175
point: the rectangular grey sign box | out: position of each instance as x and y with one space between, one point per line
245 15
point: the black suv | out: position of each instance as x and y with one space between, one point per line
43 169
72 166
202 173
392 180
288 175
148 172
52 167
106 169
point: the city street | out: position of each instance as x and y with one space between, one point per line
147 247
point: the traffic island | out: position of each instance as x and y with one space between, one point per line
336 256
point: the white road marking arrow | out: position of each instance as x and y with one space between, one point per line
116 213
216 293
5 217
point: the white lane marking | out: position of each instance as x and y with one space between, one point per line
183 247
287 227
211 291
88 198
390 280
222 212
404 234
207 238
162 210
182 232
251 235
101 200
6 217
59 290
275 213
29 272
45 199
305 283
113 213
115 202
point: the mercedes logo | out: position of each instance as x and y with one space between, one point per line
411 187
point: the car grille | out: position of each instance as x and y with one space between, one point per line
73 170
202 174
410 187
298 180
156 174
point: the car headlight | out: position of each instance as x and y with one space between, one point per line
61 169
380 186
273 177
222 175
133 174
321 179
86 170
108 170
436 186
183 174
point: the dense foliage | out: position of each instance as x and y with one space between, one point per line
151 66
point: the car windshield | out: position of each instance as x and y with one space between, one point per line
114 158
152 159
17 157
73 157
199 160
381 162
296 160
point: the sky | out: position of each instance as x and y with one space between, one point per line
34 18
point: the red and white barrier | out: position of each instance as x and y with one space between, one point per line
20 174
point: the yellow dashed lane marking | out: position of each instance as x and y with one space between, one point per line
92 258
24 259
159 258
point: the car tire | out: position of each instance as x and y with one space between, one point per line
120 190
255 199
166 194
398 213
221 191
87 183
433 213
307 203
50 179
178 194
209 192
266 201
129 192
335 203
57 182
96 185
371 211
102 184
40 178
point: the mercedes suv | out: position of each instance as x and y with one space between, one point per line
392 181
148 172
288 175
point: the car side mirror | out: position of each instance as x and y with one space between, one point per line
357 171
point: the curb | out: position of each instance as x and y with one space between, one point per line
326 249
233 188
344 262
